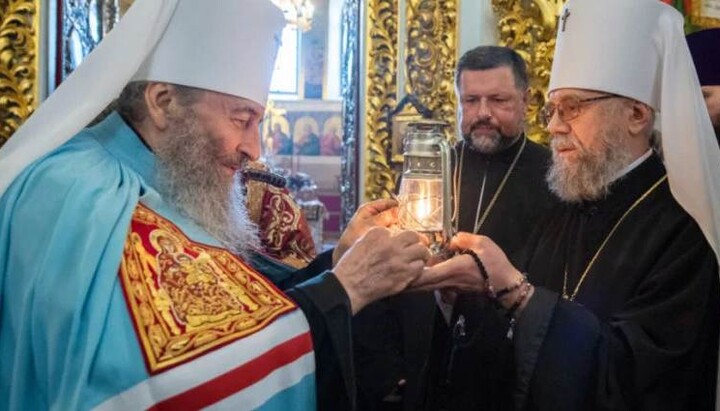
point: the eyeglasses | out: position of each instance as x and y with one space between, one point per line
568 108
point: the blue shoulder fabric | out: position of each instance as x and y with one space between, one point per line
63 224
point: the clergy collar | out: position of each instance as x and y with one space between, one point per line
123 142
630 167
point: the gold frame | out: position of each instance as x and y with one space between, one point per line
399 125
381 42
529 28
19 64
430 57
697 19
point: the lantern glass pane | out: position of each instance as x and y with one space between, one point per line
421 204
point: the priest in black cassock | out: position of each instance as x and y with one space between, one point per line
403 344
501 193
614 303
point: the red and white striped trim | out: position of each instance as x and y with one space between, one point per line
242 375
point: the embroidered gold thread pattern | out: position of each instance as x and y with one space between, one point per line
187 298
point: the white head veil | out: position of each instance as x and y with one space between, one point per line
228 46
644 56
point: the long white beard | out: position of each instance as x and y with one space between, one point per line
190 179
590 175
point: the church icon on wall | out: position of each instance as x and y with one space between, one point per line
306 137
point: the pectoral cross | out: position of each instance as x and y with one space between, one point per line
564 18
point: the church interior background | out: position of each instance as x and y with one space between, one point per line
350 75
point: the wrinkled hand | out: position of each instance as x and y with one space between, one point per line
380 264
461 273
378 213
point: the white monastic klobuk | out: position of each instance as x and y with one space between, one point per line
644 56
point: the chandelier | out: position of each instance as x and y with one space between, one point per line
298 13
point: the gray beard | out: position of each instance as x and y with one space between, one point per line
190 179
590 177
491 144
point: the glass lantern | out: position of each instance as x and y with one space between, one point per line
425 189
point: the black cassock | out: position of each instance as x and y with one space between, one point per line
456 376
642 332
405 337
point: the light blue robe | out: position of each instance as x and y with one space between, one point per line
67 341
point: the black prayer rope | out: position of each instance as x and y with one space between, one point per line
505 291
479 264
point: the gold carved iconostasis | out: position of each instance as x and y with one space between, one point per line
394 60
19 63
413 47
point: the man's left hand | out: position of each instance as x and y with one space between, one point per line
461 273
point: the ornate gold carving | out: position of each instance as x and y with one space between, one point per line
432 56
529 27
431 27
187 298
380 95
19 31
697 17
